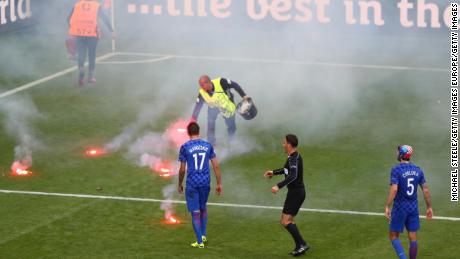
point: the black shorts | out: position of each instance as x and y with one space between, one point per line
294 200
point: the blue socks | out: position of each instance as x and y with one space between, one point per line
398 248
196 222
204 221
199 222
413 249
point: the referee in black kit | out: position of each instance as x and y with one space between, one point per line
293 173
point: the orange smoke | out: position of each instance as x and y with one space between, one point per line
177 132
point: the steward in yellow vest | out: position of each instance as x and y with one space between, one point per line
216 93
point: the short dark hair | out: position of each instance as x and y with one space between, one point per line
292 139
193 129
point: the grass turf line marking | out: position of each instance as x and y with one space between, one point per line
88 196
294 62
136 61
165 57
49 78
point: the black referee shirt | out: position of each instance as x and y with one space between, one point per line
293 172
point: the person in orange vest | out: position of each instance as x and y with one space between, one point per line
83 25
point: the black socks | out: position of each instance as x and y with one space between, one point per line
294 231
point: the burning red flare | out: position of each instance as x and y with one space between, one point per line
164 169
177 132
19 169
94 152
172 220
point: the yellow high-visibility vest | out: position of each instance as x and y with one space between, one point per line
219 99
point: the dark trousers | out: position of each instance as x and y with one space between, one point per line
212 117
87 46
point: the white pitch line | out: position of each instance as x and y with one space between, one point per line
88 196
48 78
142 54
136 61
294 62
169 56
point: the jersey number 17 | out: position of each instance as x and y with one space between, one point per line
197 157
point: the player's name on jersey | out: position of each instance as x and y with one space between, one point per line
198 148
410 173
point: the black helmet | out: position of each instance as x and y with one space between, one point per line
247 109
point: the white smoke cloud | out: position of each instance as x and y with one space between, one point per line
150 143
237 146
168 193
151 150
19 115
147 116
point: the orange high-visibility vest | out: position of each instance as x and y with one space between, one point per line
107 4
84 19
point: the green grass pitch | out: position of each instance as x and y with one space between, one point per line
349 121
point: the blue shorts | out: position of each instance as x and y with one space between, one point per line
196 198
401 219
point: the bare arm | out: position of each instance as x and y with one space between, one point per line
391 197
216 168
180 187
198 105
426 195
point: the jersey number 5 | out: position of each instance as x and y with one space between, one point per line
410 186
195 157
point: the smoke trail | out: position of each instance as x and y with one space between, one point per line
23 152
148 160
19 113
237 146
168 193
150 143
154 150
146 116
143 148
